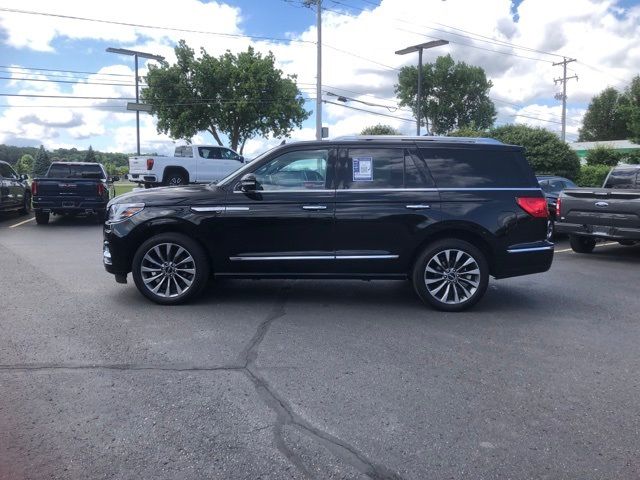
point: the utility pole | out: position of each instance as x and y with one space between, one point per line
318 4
563 95
319 73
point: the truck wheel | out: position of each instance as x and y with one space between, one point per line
170 268
580 244
175 179
26 206
42 218
451 275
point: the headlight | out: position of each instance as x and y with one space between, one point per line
121 211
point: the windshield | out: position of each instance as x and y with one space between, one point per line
244 168
65 170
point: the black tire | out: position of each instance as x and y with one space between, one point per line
42 218
199 262
580 244
26 206
450 276
627 243
551 230
175 179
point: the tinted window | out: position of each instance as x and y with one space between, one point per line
6 171
184 152
623 179
209 152
472 168
416 174
229 155
301 170
365 168
62 170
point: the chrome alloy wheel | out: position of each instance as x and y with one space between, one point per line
168 270
452 276
175 181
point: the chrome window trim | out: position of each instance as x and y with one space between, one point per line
369 190
286 191
315 257
530 249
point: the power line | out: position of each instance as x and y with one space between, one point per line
369 111
64 71
47 80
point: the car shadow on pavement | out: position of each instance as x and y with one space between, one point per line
72 221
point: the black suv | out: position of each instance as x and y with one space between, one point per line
15 193
443 212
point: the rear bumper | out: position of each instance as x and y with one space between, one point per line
524 259
69 205
142 177
598 231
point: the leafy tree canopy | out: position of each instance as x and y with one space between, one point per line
90 156
544 150
454 95
379 129
25 164
602 155
240 96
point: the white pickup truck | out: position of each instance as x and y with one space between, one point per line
190 164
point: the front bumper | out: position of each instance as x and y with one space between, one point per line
598 231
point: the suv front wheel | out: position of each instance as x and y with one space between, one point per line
451 275
170 268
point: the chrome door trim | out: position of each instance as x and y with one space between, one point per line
310 190
366 257
314 207
417 207
314 257
219 209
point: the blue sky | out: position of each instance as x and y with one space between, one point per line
360 38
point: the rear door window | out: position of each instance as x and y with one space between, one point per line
375 168
474 168
209 152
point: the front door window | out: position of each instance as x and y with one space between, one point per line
301 170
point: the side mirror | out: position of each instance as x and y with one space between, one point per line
24 177
115 178
248 183
241 158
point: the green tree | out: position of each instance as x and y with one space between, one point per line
90 156
631 109
379 129
602 155
592 175
631 157
544 150
240 96
468 132
25 164
454 95
41 163
606 118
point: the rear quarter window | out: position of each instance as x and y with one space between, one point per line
623 179
478 168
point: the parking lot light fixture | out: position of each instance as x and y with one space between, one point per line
136 54
419 48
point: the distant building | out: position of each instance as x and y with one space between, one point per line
622 146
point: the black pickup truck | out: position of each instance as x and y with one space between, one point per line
71 188
609 213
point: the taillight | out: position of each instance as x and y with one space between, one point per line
558 208
149 163
101 189
34 189
534 206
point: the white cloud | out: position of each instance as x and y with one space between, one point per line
601 34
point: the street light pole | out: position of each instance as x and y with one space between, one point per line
419 49
319 74
136 54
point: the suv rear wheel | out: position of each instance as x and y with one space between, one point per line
451 275
581 244
170 268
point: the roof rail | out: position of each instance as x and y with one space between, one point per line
425 138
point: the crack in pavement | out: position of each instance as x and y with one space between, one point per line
117 366
286 416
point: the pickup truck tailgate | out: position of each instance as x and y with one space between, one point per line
138 164
67 187
614 208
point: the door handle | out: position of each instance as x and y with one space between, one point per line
418 207
314 207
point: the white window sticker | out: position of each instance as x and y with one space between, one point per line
362 169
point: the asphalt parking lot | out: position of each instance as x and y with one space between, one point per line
309 379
